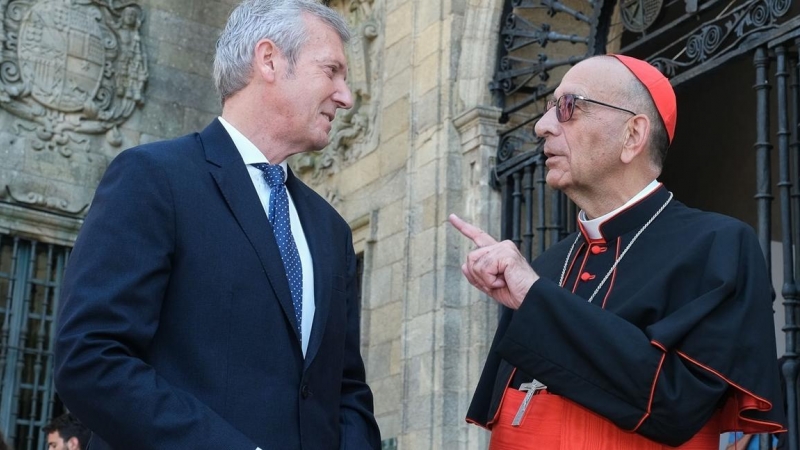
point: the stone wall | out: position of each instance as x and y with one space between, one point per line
424 151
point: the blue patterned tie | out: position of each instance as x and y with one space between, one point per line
281 226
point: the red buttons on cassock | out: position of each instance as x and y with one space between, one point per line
586 276
597 249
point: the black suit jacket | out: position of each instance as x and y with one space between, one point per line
176 327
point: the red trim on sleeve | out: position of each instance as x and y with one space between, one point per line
500 405
740 401
472 422
652 393
659 345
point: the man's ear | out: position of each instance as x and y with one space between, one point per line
637 133
266 59
73 444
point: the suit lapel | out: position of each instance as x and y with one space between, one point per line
320 247
229 172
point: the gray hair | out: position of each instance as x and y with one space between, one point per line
280 21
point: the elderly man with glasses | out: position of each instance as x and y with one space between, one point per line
649 328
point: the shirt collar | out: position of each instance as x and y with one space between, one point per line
593 228
250 153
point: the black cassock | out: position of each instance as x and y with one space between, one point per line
681 328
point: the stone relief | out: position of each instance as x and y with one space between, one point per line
70 71
351 129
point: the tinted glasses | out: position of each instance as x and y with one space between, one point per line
565 106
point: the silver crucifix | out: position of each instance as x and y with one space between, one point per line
532 388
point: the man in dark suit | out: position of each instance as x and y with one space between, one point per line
203 307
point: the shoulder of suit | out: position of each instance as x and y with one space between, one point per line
165 151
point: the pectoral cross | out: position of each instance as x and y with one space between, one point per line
532 388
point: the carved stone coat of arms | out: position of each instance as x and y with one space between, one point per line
71 72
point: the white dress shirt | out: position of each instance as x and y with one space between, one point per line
251 155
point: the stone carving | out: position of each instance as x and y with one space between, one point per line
352 126
44 201
69 70
332 196
81 59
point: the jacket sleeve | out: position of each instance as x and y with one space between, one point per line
666 379
358 427
112 295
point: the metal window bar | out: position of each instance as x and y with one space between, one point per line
787 106
763 148
791 366
529 235
789 289
31 274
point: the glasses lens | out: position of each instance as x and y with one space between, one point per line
566 105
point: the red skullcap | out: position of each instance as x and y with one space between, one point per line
659 88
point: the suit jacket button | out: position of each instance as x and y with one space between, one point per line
305 392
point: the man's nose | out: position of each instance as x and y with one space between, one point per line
546 124
343 97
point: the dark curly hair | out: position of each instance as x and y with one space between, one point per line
68 426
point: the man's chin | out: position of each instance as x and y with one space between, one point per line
556 180
320 145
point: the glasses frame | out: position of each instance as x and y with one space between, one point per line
557 103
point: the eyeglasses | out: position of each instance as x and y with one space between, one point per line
565 106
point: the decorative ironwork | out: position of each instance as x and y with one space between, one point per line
721 35
540 40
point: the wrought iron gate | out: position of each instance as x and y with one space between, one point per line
30 276
541 39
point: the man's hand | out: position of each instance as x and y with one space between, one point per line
496 268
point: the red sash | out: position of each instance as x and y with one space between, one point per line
553 423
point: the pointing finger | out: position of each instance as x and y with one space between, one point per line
478 236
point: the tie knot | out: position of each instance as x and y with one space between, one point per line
273 173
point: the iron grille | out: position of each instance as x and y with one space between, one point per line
30 276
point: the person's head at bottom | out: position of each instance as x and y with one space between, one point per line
66 432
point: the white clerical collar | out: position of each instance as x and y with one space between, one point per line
250 153
592 227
